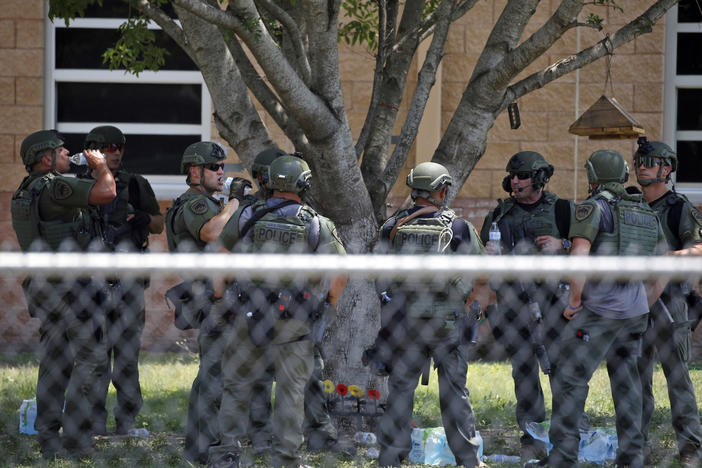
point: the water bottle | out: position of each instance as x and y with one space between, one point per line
500 458
140 432
416 454
78 159
365 438
28 414
496 237
227 185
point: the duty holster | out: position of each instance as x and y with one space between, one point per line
192 301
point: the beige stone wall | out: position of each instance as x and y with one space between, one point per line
21 91
637 76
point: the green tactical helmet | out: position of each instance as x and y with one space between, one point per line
99 137
531 162
200 153
38 142
605 166
649 152
259 168
289 174
429 176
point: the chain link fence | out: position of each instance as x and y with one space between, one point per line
257 319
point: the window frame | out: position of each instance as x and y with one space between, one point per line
671 83
165 186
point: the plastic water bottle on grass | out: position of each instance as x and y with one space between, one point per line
27 416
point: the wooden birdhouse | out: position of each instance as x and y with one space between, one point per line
606 119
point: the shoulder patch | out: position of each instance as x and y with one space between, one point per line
582 212
199 207
62 190
696 215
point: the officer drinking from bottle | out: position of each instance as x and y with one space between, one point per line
54 212
194 222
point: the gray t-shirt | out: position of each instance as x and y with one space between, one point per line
615 300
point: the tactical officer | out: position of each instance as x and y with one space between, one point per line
426 320
274 326
607 318
320 432
532 221
127 222
193 223
52 211
669 330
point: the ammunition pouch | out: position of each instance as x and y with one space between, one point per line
192 301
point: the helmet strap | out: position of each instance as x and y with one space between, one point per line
53 159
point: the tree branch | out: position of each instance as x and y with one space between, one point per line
535 46
312 113
377 78
426 80
626 33
295 35
265 95
505 35
390 93
169 26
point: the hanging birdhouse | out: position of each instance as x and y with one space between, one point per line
606 119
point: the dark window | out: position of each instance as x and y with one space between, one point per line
689 109
689 161
120 9
83 48
145 154
142 103
689 60
689 11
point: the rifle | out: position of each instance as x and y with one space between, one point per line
528 290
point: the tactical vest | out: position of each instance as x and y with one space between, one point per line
669 210
114 214
176 231
525 226
29 226
635 227
424 235
427 235
295 234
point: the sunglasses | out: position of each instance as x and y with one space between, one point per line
647 161
214 167
520 175
113 147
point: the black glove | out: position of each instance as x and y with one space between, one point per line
238 188
141 219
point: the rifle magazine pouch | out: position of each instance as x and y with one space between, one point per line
191 301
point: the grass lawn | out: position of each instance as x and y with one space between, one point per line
166 380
